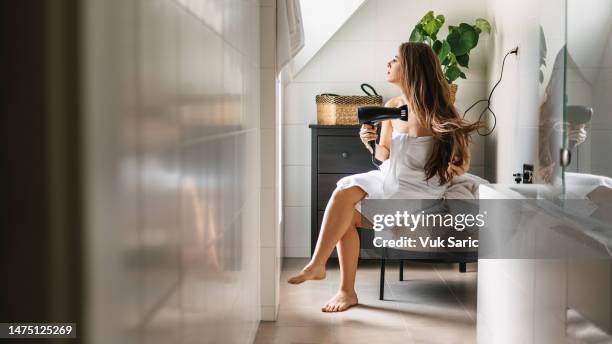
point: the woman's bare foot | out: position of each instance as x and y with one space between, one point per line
340 302
308 273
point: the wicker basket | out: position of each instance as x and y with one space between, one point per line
335 109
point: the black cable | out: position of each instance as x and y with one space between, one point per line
488 100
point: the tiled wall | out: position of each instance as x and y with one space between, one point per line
358 53
270 221
172 168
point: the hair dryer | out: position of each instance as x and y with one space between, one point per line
372 115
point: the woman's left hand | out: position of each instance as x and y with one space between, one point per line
457 170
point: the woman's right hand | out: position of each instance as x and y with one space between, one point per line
367 134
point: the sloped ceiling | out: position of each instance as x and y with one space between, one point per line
321 20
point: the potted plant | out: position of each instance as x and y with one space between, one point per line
454 51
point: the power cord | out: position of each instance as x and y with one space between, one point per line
488 100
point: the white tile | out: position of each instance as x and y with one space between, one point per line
311 72
253 106
267 23
268 158
300 104
297 252
254 35
296 145
269 313
359 26
296 185
233 23
269 285
297 226
268 98
210 11
268 220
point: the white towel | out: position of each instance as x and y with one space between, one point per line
464 186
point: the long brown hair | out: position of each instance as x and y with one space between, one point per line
428 95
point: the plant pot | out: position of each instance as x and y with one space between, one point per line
453 92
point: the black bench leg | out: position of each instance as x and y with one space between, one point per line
382 279
462 267
401 268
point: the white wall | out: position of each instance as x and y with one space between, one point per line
589 81
358 53
517 100
600 138
172 171
270 174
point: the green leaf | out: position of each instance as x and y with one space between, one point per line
462 39
440 18
436 46
452 73
427 17
417 34
483 25
444 51
463 60
462 75
430 25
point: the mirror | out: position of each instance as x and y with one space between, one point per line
588 111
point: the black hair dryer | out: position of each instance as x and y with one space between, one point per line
372 115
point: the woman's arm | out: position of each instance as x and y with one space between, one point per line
382 149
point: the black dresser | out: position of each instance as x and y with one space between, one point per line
337 151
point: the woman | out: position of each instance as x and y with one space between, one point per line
416 159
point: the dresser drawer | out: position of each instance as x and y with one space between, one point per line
336 152
342 154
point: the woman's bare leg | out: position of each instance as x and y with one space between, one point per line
348 256
338 218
